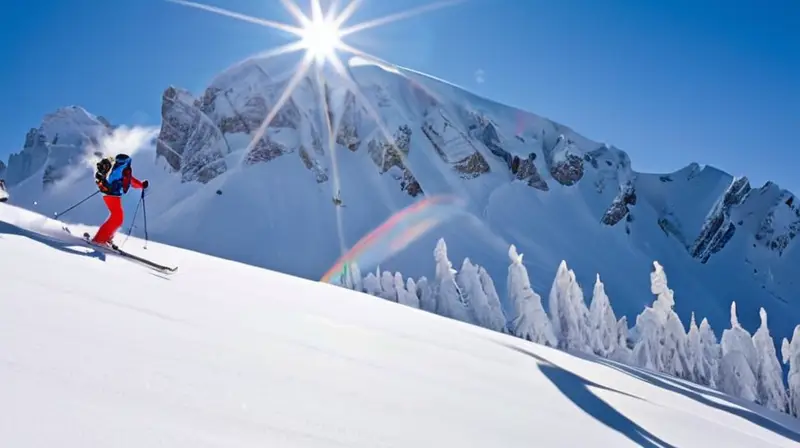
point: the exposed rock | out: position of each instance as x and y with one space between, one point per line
31 159
313 165
565 165
619 207
189 140
347 132
453 146
527 170
781 224
265 150
409 184
204 156
568 172
2 170
388 155
486 132
718 228
178 115
472 166
239 101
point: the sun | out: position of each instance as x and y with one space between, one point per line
321 37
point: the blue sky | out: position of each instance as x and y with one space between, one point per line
670 82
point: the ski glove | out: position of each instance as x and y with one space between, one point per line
145 184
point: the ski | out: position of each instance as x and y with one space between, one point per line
117 251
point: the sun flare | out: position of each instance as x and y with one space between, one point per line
321 37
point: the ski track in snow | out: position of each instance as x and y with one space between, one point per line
95 351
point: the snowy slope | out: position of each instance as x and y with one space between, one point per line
100 352
528 181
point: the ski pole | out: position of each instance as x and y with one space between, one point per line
144 212
133 221
79 203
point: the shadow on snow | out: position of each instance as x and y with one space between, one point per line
55 243
576 388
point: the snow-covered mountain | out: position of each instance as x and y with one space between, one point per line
529 181
224 354
58 144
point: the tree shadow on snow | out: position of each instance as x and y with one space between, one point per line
701 396
10 229
576 388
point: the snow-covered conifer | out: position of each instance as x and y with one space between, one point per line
673 351
402 294
694 354
387 286
582 312
711 354
449 300
570 323
622 353
771 390
790 352
468 280
528 318
660 335
496 318
412 295
602 321
372 285
427 297
356 282
739 361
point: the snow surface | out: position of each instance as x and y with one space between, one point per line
98 351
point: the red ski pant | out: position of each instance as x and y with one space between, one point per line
114 221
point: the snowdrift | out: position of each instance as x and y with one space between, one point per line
98 351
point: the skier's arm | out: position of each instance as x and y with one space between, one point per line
136 183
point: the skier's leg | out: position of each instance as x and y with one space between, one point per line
114 221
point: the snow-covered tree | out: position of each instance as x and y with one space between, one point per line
621 352
569 320
581 311
739 361
528 318
427 297
771 390
694 354
497 318
449 299
649 332
387 287
352 277
660 335
673 351
468 280
404 297
790 352
602 322
711 354
412 296
372 285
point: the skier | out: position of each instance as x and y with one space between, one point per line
337 200
114 180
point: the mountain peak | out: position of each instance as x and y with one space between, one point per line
61 139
